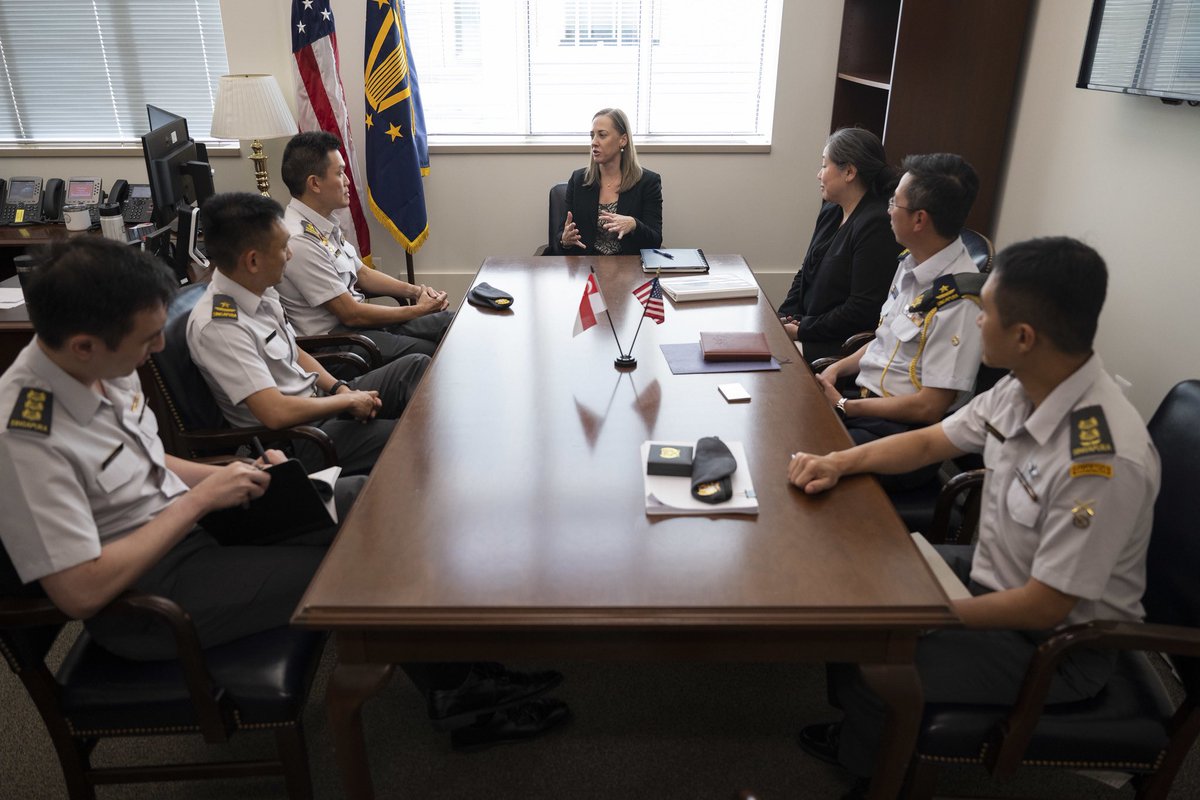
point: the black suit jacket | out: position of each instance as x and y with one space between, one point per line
845 277
643 202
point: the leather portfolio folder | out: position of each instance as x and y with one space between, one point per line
734 346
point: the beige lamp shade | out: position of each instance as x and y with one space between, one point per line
251 107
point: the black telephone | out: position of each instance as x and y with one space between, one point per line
22 201
135 201
53 199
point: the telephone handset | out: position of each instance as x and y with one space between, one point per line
22 201
52 200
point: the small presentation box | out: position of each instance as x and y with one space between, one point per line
666 459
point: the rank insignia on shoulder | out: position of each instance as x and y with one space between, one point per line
224 307
1082 513
1096 468
1089 434
33 411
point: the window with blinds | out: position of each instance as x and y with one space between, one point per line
683 70
82 72
1147 47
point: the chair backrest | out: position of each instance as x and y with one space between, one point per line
1173 563
185 403
24 646
979 248
557 218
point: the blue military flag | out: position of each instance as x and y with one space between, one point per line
397 150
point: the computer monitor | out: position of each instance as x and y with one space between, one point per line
176 166
160 116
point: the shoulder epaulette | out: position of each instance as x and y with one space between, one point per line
33 411
947 289
224 307
312 231
1090 435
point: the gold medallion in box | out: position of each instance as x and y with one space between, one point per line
666 459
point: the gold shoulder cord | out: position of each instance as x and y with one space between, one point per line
912 366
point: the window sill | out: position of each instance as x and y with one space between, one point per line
479 145
216 149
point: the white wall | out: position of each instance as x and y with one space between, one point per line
1123 174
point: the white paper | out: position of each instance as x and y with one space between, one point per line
325 479
11 298
672 494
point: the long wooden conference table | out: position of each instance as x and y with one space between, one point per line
506 517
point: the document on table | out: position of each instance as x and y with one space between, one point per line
668 495
11 298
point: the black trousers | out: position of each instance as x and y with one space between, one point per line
420 335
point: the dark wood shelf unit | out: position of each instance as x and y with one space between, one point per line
933 76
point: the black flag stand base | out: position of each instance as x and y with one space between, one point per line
625 362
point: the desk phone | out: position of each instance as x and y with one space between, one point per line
87 192
22 201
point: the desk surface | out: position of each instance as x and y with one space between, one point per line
511 492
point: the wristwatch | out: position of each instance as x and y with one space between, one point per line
840 407
334 389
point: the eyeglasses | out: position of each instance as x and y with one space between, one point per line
892 204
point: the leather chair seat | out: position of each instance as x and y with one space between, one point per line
265 675
1123 727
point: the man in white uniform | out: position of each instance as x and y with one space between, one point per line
1067 502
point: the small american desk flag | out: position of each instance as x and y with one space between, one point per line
649 294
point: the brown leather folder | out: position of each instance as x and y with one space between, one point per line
734 346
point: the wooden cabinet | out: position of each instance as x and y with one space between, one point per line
933 76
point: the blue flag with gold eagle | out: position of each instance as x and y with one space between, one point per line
397 150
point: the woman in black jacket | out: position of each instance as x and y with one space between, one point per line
614 207
851 258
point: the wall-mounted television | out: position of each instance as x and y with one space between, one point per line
1146 47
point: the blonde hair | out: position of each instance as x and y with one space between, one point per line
631 170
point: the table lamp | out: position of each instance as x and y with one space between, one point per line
252 107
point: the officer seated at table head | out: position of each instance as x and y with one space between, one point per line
326 284
92 505
1067 502
925 354
246 348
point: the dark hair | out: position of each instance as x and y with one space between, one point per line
235 222
92 285
860 147
944 186
306 154
1056 285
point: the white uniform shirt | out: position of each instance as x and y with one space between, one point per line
907 354
1069 494
323 266
245 349
78 469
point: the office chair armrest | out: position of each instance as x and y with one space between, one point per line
373 357
1010 739
964 483
231 438
352 360
852 343
30 612
213 711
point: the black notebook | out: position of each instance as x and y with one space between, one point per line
294 503
674 260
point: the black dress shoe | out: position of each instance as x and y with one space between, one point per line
514 725
489 687
821 741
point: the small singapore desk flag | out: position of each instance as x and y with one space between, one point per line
590 306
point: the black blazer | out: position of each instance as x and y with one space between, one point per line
643 202
844 279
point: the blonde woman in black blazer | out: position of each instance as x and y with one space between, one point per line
614 207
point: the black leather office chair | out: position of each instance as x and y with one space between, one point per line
979 248
555 221
259 682
1132 725
190 422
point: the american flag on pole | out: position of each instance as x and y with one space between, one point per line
320 100
590 306
649 294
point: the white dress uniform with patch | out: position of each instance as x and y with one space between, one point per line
78 469
940 348
1069 494
243 344
323 266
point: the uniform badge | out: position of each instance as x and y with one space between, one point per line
224 307
502 301
1098 469
1089 434
33 411
954 340
1082 513
708 489
668 452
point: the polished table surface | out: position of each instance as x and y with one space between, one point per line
506 517
15 328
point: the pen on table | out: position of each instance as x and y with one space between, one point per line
665 254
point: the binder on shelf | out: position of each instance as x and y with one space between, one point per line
674 260
684 289
669 495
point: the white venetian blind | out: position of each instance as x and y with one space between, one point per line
82 71
684 69
1149 46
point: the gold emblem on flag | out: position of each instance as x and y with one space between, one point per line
385 81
